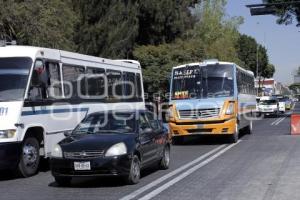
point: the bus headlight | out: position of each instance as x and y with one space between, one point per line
116 150
170 112
230 109
56 152
7 133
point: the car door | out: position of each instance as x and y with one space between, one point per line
147 147
158 134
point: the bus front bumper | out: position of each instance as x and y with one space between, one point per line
220 127
9 155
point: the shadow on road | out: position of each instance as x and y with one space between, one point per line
6 175
103 182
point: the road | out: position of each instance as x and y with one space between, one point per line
264 165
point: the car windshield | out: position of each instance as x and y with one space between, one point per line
268 102
107 123
13 77
200 82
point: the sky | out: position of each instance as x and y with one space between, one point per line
281 41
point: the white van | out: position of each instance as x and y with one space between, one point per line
268 106
46 92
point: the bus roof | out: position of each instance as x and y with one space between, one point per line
210 62
55 54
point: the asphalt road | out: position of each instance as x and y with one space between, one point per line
264 165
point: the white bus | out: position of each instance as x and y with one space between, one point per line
46 92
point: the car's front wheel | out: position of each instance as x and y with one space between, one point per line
135 171
165 160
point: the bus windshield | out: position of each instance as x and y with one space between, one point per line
13 77
268 102
198 82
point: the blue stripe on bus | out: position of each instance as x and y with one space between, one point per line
43 112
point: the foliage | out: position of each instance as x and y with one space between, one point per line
247 49
107 28
295 88
157 61
162 21
286 13
211 37
38 23
111 28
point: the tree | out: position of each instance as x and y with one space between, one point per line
286 13
162 21
247 52
157 61
39 23
213 36
107 28
269 71
112 28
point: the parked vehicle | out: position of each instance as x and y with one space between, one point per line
112 144
44 92
269 106
211 98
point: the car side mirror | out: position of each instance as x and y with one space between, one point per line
67 133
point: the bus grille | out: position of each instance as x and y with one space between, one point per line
83 154
199 113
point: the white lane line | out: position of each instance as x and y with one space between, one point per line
185 174
169 175
274 122
280 121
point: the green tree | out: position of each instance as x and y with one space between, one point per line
112 28
213 36
269 71
286 13
162 21
39 23
247 48
107 28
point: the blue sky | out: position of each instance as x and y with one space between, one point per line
282 41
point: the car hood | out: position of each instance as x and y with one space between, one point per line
94 142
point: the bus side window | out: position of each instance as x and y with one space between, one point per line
114 81
72 75
129 85
138 86
54 82
39 80
95 82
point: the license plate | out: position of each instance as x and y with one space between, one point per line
80 166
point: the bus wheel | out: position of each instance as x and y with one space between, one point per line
30 157
235 137
177 140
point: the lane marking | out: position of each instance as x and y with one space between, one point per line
186 173
169 175
274 122
280 121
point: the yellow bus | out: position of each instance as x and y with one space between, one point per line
211 98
